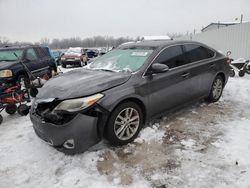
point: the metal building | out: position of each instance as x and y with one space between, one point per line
235 38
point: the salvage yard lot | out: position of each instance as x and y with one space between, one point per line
203 145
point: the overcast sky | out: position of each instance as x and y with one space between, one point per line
31 20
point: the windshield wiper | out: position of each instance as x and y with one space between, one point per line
108 70
6 60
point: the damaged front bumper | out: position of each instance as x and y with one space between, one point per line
74 136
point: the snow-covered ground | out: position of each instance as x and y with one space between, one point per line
203 145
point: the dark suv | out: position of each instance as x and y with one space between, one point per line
115 95
36 58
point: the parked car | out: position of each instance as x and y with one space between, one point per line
91 53
36 58
74 56
58 54
114 96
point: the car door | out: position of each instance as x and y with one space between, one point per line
31 61
202 68
45 61
169 89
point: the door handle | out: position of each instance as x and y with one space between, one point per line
185 74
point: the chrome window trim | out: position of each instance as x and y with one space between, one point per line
195 62
40 69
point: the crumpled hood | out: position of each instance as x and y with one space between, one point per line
80 83
6 64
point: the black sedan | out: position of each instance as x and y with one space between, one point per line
114 96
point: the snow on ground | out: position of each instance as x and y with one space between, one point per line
203 145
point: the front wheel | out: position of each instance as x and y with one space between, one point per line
216 90
11 109
23 109
64 66
124 124
81 64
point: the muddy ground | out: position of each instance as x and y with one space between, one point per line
202 145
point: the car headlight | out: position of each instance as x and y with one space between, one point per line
63 58
77 58
74 105
6 73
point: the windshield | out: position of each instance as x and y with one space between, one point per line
8 55
73 50
121 60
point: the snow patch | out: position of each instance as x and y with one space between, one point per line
150 134
188 143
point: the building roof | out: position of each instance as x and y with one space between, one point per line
220 24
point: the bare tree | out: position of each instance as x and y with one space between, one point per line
96 41
45 41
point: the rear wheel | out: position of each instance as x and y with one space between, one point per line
232 73
23 109
1 119
11 109
124 124
33 92
216 90
241 73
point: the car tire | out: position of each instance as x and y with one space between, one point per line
241 73
81 64
23 109
11 109
64 66
124 124
33 92
1 119
232 73
216 89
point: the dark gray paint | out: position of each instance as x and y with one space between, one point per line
155 93
80 83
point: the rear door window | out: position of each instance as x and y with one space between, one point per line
31 54
196 52
41 52
172 57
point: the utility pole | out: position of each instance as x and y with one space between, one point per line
241 18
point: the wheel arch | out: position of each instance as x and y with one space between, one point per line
223 77
21 73
138 102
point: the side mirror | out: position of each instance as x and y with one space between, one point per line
159 68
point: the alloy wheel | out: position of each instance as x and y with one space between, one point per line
217 88
126 123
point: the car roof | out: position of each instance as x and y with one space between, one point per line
154 43
18 47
